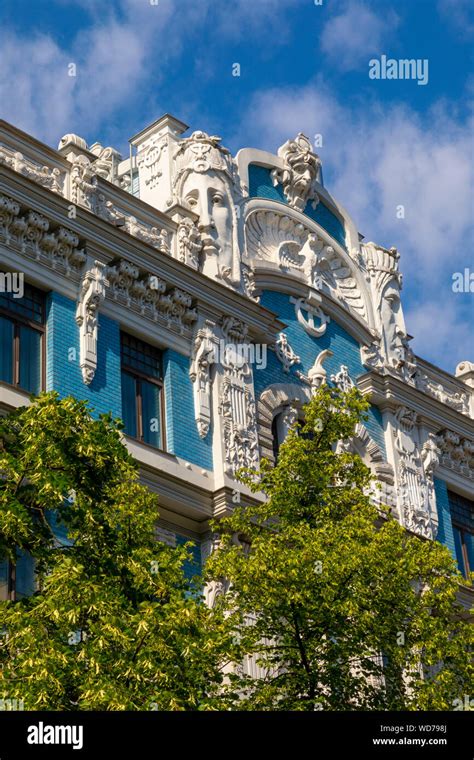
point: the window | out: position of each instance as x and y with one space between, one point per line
281 425
142 391
462 516
17 580
22 339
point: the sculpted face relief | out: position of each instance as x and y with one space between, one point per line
207 195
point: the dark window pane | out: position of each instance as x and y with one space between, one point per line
151 413
25 575
30 306
3 580
129 413
140 356
458 547
469 541
30 359
462 510
6 350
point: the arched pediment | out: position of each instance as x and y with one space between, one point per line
281 239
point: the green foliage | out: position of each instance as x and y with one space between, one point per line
320 583
114 624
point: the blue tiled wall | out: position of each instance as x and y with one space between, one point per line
445 528
182 434
343 345
261 186
64 375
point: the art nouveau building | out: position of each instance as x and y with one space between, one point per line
201 298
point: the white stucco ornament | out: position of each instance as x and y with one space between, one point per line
307 310
91 295
300 173
285 353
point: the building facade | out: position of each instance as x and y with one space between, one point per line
202 298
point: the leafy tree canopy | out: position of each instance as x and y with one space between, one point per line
114 624
342 607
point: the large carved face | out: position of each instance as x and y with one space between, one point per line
392 323
304 177
208 195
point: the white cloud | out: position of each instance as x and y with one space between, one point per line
351 37
115 54
458 13
375 159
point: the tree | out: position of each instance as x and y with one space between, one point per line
114 623
341 606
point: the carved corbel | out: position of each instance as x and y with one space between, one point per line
91 295
203 357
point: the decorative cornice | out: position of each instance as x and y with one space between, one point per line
389 392
457 453
33 235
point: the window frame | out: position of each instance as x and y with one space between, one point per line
19 321
459 502
464 552
139 377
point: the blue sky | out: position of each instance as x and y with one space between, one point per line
304 67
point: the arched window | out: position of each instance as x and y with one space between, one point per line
282 422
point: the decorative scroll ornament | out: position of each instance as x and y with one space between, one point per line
91 295
371 356
107 161
343 380
285 353
300 172
189 243
313 310
203 357
154 236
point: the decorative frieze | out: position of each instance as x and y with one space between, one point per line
410 372
150 296
456 453
31 233
50 177
154 236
